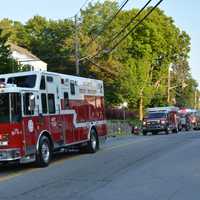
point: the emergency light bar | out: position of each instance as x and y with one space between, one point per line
187 110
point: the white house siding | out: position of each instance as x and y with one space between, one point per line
25 57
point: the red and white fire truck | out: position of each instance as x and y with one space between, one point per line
161 119
41 112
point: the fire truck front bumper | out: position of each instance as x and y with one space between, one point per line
154 128
9 154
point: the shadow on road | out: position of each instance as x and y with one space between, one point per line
11 168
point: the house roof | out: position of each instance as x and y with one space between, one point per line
23 51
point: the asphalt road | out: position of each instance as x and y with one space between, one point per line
163 167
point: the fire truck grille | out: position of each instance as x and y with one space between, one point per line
9 154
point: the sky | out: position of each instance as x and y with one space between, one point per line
185 13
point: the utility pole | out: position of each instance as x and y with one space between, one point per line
77 45
168 84
195 99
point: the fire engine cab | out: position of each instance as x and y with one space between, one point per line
41 112
161 119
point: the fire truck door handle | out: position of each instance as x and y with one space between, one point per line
41 118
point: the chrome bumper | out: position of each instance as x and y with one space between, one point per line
9 154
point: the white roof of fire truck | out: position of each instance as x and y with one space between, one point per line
86 85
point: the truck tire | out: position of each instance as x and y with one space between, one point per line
44 153
167 131
93 143
154 133
144 133
175 130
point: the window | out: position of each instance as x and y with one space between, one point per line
4 108
42 83
67 81
27 104
2 80
16 111
49 79
155 115
66 100
44 103
72 87
23 81
51 103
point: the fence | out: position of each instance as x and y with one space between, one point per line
118 127
119 114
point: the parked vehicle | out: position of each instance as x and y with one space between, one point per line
190 119
161 119
185 122
197 117
41 112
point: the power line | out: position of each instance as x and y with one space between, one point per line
130 22
101 31
140 21
108 23
102 67
124 28
122 39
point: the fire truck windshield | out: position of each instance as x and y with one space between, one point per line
10 107
4 108
155 115
27 81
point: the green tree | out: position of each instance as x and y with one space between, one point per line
136 71
141 61
7 64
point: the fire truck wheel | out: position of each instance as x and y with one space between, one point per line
144 133
93 144
167 131
44 153
154 133
175 130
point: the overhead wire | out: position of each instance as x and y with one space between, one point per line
123 38
124 28
110 20
139 22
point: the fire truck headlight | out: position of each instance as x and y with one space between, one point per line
4 139
163 122
15 153
2 85
144 123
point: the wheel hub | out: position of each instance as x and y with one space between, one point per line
45 152
93 141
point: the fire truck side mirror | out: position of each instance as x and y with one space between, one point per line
31 102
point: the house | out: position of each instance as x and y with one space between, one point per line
26 58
